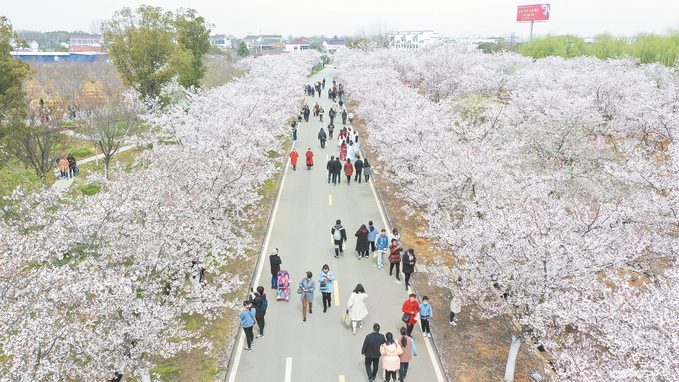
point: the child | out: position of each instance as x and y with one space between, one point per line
425 316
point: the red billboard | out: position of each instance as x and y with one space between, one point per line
536 12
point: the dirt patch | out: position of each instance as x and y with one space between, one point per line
476 349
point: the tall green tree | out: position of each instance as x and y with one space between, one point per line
193 32
13 108
243 49
606 46
150 48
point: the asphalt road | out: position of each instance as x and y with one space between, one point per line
323 348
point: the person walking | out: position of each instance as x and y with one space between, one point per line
351 150
332 113
322 137
455 306
348 171
382 247
372 235
71 165
409 350
391 363
309 159
362 244
323 83
259 302
409 261
325 285
344 116
395 235
306 290
367 171
426 314
343 150
356 307
331 128
410 309
330 166
321 111
371 351
294 131
395 258
337 172
293 159
358 166
339 236
307 112
247 321
275 262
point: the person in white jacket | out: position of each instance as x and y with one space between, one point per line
356 307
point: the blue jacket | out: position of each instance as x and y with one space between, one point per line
372 234
246 320
331 278
382 242
425 311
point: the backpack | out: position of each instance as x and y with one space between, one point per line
265 303
337 235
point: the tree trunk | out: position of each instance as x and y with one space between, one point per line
145 375
511 359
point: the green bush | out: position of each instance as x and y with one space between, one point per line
90 189
81 152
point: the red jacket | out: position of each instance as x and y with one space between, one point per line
293 158
309 158
348 169
411 307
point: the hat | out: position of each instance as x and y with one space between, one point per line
274 251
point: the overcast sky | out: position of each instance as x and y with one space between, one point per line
454 18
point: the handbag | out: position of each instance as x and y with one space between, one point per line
346 317
405 318
323 286
300 290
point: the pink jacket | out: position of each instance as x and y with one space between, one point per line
391 353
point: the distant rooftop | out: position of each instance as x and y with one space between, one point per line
336 42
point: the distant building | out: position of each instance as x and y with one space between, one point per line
85 43
297 45
412 40
270 39
332 46
53 57
251 41
33 46
222 41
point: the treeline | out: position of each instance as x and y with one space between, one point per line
647 47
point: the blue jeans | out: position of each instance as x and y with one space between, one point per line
334 177
274 280
404 370
329 175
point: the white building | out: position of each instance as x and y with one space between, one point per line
332 46
297 45
222 41
412 39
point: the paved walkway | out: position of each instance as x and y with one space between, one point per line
323 348
66 183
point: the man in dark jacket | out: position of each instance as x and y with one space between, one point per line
337 170
344 116
371 351
332 113
339 236
331 167
322 137
358 167
258 300
331 127
275 262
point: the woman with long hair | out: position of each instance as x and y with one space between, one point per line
391 350
356 307
409 350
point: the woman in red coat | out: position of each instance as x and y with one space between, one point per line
309 159
348 171
411 307
293 159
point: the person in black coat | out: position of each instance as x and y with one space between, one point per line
331 127
344 117
362 243
358 167
408 261
275 262
322 137
258 300
371 351
337 171
331 167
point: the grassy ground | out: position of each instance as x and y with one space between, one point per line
475 349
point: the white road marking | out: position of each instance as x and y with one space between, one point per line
262 257
335 284
288 369
330 199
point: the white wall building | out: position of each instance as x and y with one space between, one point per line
412 39
332 46
297 45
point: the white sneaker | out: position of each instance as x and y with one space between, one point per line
454 324
429 335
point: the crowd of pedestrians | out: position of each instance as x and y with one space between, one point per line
396 351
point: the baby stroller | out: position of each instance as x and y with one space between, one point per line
283 285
